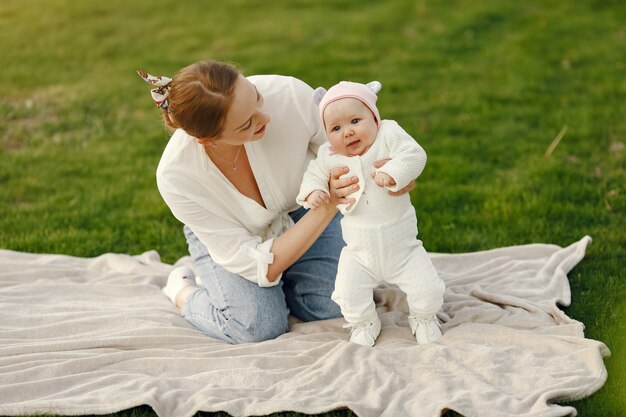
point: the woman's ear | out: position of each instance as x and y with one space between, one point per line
207 142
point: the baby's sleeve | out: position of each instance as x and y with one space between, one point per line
408 158
316 177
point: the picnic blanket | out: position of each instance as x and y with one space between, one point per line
96 335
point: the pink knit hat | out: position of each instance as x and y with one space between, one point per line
366 93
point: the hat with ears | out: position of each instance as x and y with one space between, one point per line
366 93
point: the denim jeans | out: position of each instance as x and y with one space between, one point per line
231 308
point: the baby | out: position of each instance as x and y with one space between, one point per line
379 229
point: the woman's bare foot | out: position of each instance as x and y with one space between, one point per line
182 295
181 280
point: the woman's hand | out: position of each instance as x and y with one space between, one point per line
409 187
341 187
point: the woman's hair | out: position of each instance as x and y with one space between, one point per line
199 98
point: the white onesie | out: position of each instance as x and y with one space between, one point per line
379 230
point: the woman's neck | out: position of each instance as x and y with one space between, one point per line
223 150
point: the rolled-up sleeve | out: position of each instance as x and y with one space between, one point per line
229 244
241 254
263 258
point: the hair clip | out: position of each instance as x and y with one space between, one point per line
159 94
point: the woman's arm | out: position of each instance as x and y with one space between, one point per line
291 245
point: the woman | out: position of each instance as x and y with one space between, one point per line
231 173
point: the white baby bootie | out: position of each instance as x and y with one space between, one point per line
365 332
425 329
178 279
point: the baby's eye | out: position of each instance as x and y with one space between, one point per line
335 129
355 121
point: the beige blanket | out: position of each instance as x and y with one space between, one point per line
95 336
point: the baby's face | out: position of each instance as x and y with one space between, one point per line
350 126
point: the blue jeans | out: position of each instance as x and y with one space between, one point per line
231 308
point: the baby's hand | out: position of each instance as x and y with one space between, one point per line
383 180
317 198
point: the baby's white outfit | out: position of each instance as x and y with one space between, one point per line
379 230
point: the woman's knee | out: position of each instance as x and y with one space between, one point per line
257 324
322 307
313 307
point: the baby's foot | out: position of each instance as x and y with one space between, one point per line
178 279
365 332
425 329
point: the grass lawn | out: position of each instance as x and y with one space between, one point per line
486 87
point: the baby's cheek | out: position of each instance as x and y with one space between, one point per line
334 142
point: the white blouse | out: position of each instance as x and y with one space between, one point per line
237 231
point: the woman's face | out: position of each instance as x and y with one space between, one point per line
245 121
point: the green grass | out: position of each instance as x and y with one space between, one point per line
485 87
